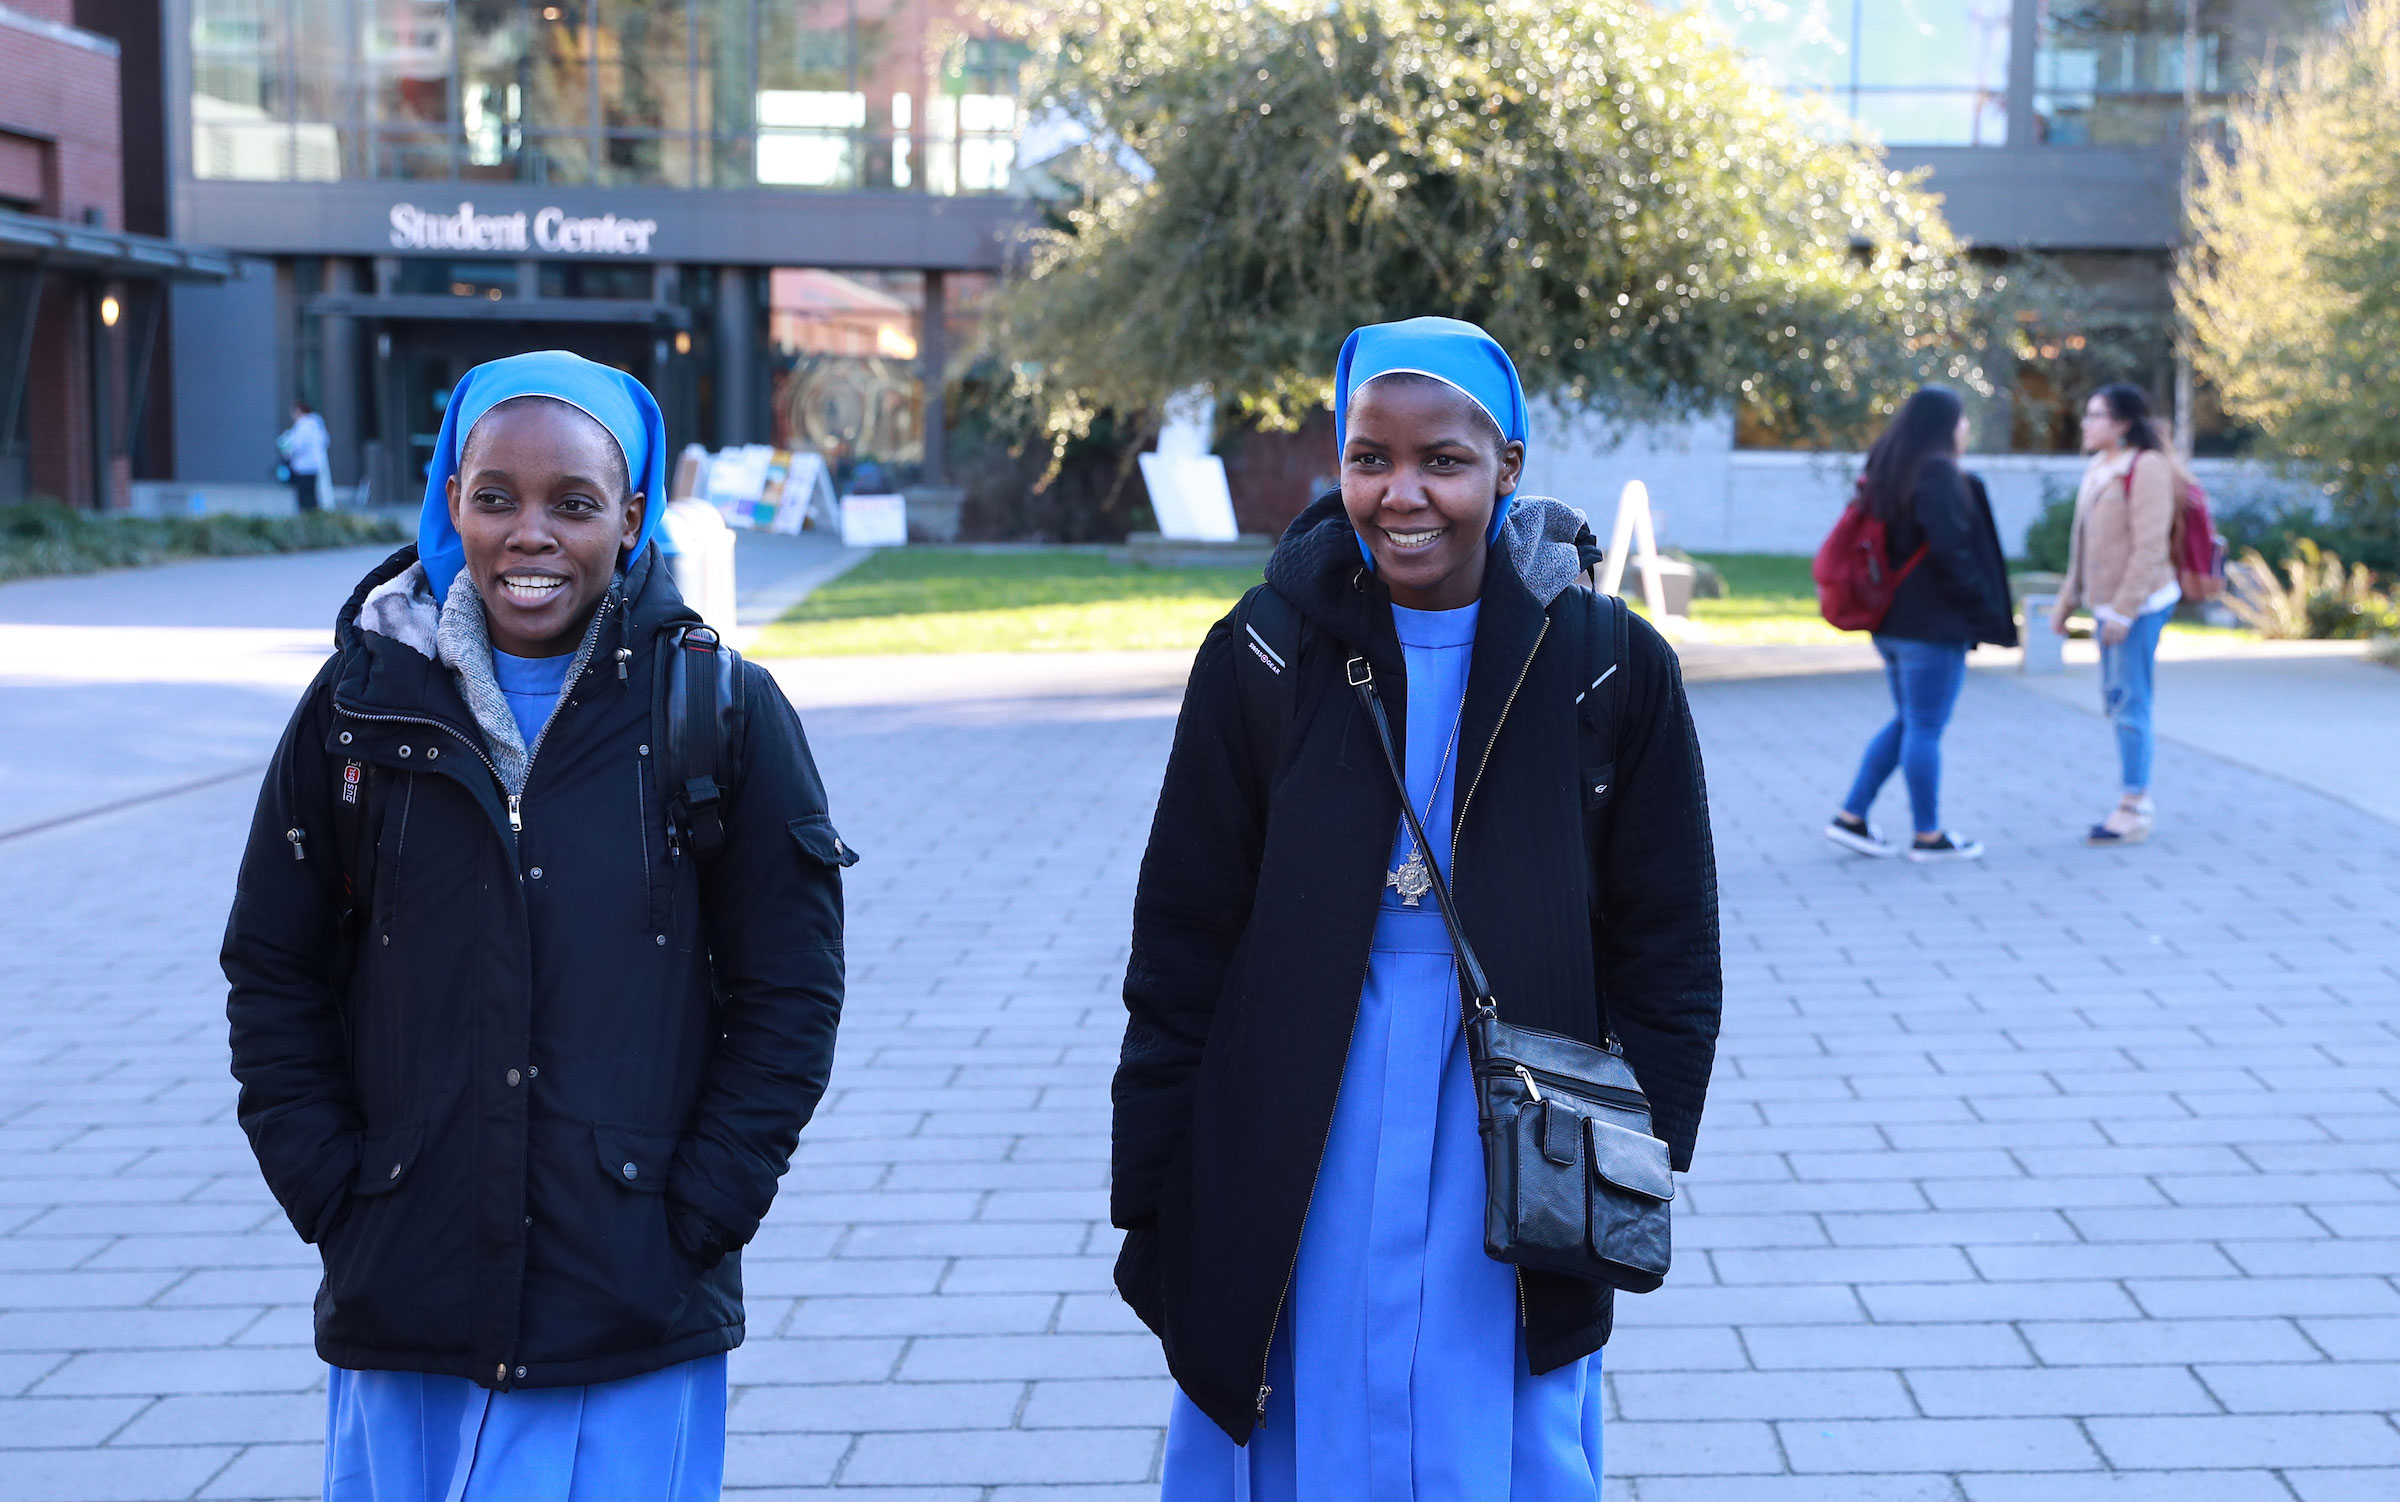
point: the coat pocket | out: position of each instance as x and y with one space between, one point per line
384 1160
820 842
634 1159
1631 1222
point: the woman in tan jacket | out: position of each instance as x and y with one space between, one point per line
2120 568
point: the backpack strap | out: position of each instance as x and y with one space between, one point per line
1273 632
701 711
1606 639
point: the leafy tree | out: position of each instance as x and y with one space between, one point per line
1603 184
2292 289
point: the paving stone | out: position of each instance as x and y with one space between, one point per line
1942 1445
2233 1441
2065 1392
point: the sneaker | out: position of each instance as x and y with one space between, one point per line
1854 833
2126 824
1945 848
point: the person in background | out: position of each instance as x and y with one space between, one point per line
523 1064
1953 599
303 446
2121 567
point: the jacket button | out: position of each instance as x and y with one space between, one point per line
662 939
513 1076
395 1173
500 1372
632 1172
537 873
642 750
432 752
520 1374
345 737
533 1071
405 751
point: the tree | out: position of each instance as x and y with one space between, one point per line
2293 284
1603 184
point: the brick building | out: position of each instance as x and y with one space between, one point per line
80 296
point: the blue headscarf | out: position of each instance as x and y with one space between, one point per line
614 399
1451 351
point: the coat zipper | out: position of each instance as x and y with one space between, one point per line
582 665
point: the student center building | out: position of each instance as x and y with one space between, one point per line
783 214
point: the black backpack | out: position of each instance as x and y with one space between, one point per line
699 711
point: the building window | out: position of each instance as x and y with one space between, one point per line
1908 72
843 347
885 95
2112 72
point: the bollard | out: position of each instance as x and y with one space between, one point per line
2045 649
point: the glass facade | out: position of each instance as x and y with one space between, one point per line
1910 72
843 355
892 95
2112 72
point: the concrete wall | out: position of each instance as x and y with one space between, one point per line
1708 497
225 361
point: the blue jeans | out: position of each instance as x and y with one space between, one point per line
2127 671
1925 677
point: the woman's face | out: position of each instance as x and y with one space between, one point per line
1420 476
2101 428
540 503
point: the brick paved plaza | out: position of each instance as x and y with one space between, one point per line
2069 1176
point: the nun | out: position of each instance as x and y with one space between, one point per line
520 1063
1296 1160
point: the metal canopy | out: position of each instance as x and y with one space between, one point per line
61 246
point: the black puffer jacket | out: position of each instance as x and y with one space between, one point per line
488 1094
1960 592
1583 869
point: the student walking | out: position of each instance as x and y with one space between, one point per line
1297 1161
304 446
1952 593
2121 567
525 1033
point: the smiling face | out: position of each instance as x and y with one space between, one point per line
1422 468
541 507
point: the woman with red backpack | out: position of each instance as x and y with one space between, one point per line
1948 591
2122 567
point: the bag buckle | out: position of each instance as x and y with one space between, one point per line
1361 672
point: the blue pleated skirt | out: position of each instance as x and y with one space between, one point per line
1399 1369
409 1437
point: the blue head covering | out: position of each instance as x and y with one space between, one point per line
1451 351
614 399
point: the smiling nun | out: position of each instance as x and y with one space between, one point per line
1297 1163
521 1064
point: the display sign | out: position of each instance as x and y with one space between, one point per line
548 229
874 521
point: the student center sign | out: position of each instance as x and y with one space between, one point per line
552 230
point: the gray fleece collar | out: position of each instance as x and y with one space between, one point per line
455 634
1539 534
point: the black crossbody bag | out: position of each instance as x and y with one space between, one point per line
1574 1181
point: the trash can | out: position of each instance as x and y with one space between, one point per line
703 560
2045 649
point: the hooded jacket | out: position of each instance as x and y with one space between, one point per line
520 1069
1582 868
1960 592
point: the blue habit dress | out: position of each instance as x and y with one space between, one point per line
413 1437
1399 1369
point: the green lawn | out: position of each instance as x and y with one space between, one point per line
916 600
1038 600
41 537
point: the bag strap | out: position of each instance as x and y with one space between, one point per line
1362 682
701 711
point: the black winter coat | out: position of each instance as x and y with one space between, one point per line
1960 592
488 1090
1583 870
